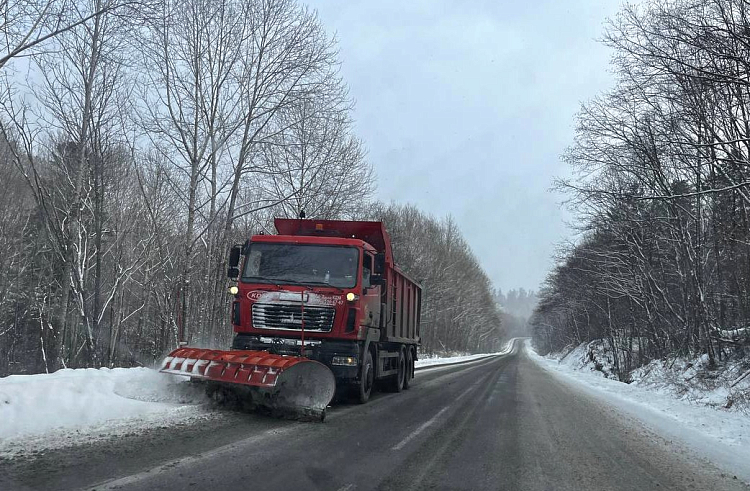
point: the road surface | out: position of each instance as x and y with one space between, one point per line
499 423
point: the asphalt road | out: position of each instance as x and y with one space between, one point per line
499 423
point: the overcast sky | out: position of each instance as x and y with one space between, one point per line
465 108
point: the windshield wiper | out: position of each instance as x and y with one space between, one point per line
265 279
286 281
322 283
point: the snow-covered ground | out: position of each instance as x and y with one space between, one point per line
735 334
726 386
720 435
49 410
436 361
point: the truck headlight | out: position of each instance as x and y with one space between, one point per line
347 361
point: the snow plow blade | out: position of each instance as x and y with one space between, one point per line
285 384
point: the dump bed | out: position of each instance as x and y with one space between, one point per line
402 309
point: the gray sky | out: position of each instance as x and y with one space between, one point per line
465 108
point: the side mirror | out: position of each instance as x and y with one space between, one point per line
234 262
377 280
379 267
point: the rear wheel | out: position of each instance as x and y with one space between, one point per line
366 379
397 381
409 369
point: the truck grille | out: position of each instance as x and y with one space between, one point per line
281 316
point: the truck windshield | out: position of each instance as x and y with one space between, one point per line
302 264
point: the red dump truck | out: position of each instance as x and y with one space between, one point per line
320 293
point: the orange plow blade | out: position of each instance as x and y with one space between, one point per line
286 383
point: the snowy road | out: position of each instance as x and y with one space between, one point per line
497 423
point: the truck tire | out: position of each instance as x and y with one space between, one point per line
366 380
409 369
397 381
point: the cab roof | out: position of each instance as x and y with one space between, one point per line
296 239
372 233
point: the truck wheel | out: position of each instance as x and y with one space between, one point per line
409 369
397 381
366 379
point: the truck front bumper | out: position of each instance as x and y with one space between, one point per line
323 351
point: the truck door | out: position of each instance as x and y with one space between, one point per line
370 294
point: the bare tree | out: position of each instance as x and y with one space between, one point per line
662 190
27 25
64 156
312 163
146 139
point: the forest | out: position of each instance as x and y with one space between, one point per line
660 187
517 307
140 140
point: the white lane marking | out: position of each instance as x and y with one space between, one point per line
467 391
348 487
419 430
426 424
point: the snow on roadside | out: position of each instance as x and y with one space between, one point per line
721 436
726 386
436 361
431 362
591 357
692 380
89 402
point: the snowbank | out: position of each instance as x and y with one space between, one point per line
436 361
77 399
449 360
735 334
590 357
691 380
725 386
720 435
